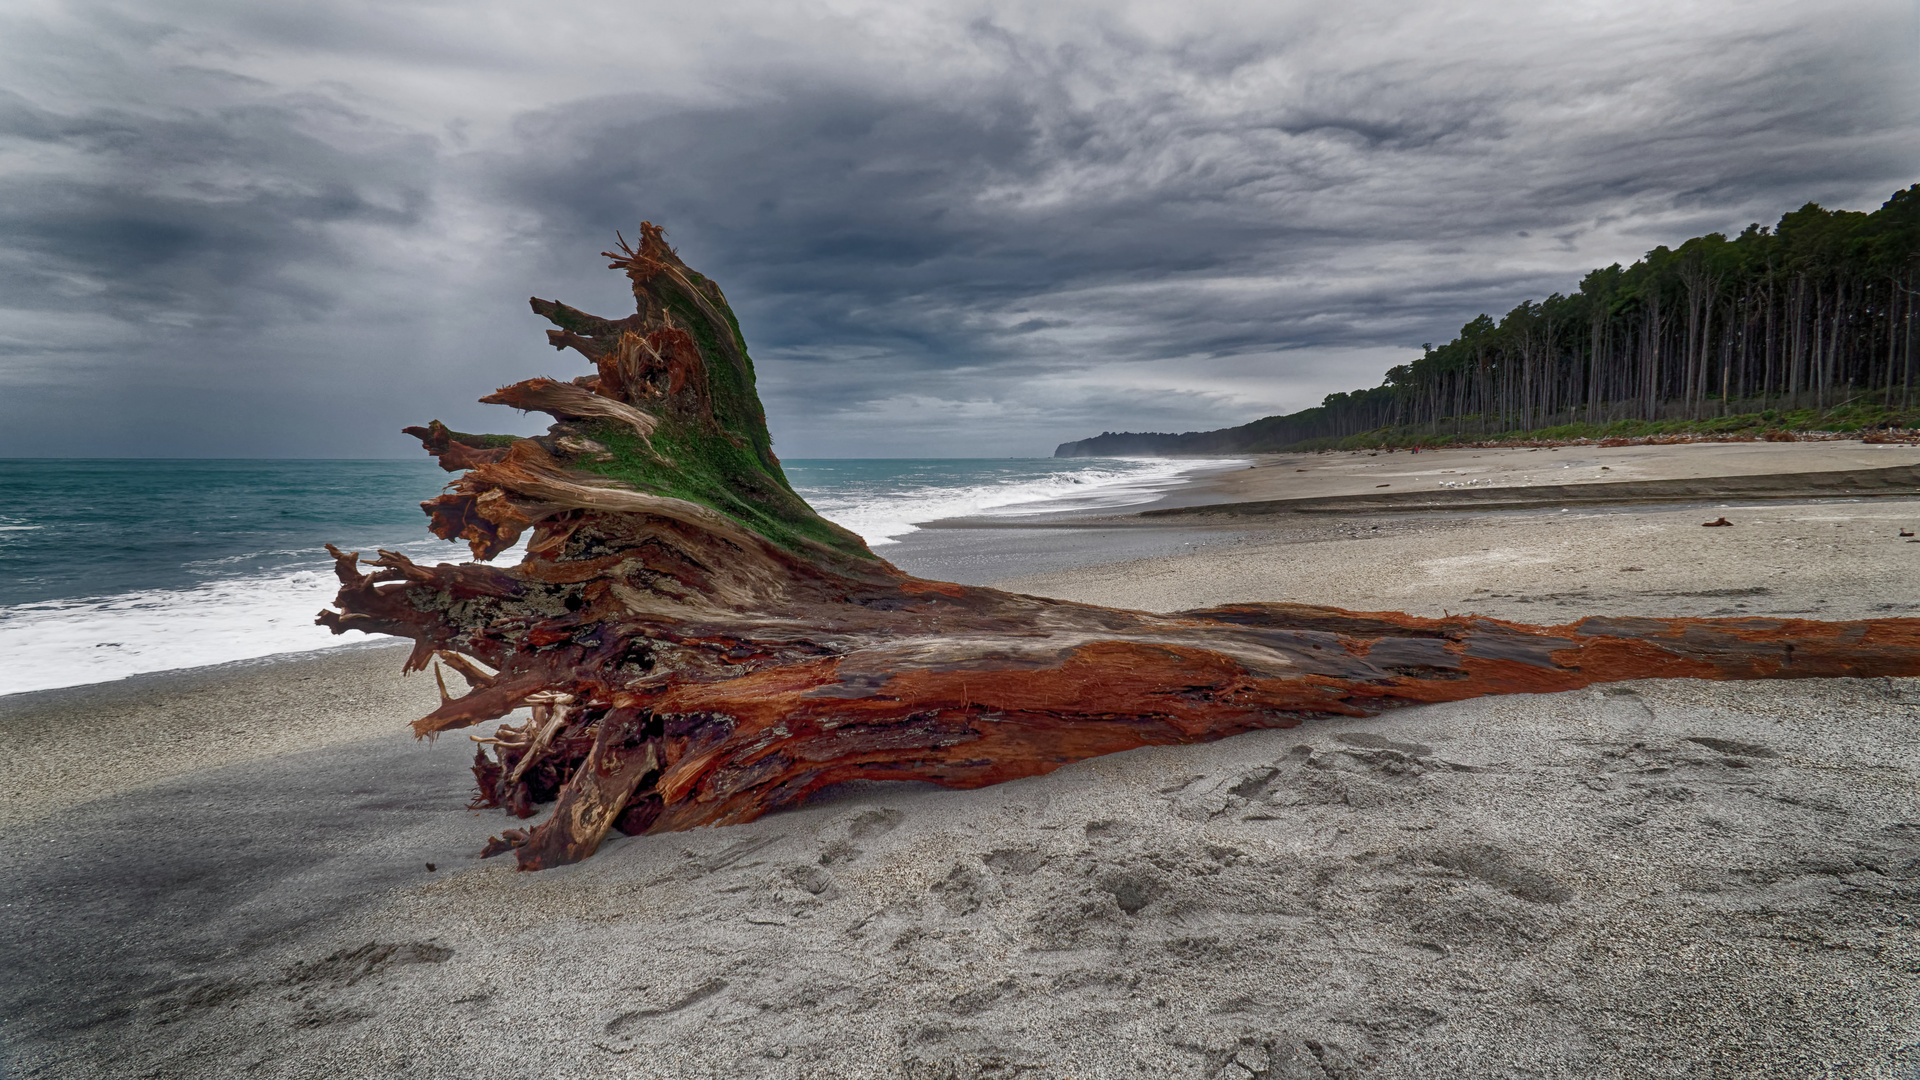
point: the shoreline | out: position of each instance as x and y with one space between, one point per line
253 869
1472 479
925 556
1211 508
1829 559
1895 481
1467 474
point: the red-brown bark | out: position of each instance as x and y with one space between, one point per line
699 648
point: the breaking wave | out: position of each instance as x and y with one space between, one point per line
201 563
886 500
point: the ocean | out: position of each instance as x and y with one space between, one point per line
110 568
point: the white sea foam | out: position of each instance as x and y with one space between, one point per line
71 642
884 517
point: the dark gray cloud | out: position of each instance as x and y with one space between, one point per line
205 218
956 229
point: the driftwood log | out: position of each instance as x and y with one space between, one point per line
698 647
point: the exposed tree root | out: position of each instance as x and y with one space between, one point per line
698 647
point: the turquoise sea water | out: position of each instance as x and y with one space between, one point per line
98 527
113 567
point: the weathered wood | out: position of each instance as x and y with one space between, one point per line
702 648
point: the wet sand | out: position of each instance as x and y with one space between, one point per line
1367 472
1649 879
1833 559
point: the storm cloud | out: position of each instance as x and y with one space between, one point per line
952 229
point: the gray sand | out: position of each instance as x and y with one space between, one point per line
1663 879
1656 879
70 746
975 556
1836 559
1362 472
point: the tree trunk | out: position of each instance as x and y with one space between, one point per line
699 648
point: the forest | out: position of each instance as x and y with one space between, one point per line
1809 320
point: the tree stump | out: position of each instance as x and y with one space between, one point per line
698 647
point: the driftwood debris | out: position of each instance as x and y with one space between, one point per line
698 647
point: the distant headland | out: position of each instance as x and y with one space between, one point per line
1807 325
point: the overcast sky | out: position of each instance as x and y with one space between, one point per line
949 229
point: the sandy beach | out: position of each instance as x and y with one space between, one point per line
74 745
1831 559
1363 472
254 871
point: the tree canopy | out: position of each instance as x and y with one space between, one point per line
1814 312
